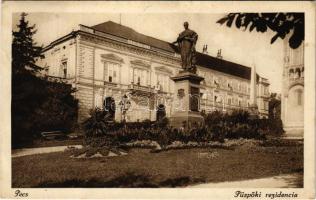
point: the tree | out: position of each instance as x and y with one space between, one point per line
274 107
275 122
280 23
37 104
24 49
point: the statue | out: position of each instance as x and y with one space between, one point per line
186 42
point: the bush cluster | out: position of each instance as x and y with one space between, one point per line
218 127
239 124
41 105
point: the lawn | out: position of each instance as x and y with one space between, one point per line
173 168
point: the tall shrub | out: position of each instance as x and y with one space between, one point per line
236 124
95 125
59 110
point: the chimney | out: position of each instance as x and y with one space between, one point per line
219 54
205 49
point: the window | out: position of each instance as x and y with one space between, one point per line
299 97
209 95
140 76
243 103
229 101
242 85
235 101
291 73
63 70
229 85
209 79
215 80
220 80
235 86
297 73
138 80
111 71
224 82
144 77
164 82
266 105
266 90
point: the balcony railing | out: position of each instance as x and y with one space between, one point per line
107 83
137 88
59 79
294 81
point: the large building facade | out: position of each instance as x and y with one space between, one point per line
108 61
292 102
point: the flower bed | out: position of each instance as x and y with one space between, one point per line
93 152
228 144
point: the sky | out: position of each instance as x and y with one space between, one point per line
236 45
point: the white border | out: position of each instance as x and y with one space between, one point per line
155 7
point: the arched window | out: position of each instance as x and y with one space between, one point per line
297 73
299 94
291 73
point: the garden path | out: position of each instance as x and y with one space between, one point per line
280 181
40 150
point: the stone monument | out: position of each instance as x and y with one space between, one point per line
187 84
253 107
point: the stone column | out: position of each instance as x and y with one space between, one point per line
253 88
253 92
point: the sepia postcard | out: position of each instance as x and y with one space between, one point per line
157 100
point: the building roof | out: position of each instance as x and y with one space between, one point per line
224 66
129 33
203 60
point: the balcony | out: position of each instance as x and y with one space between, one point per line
111 84
296 81
140 89
60 79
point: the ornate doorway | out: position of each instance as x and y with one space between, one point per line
161 112
109 107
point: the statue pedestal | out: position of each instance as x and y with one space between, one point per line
186 106
253 111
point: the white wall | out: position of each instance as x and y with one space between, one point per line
64 51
